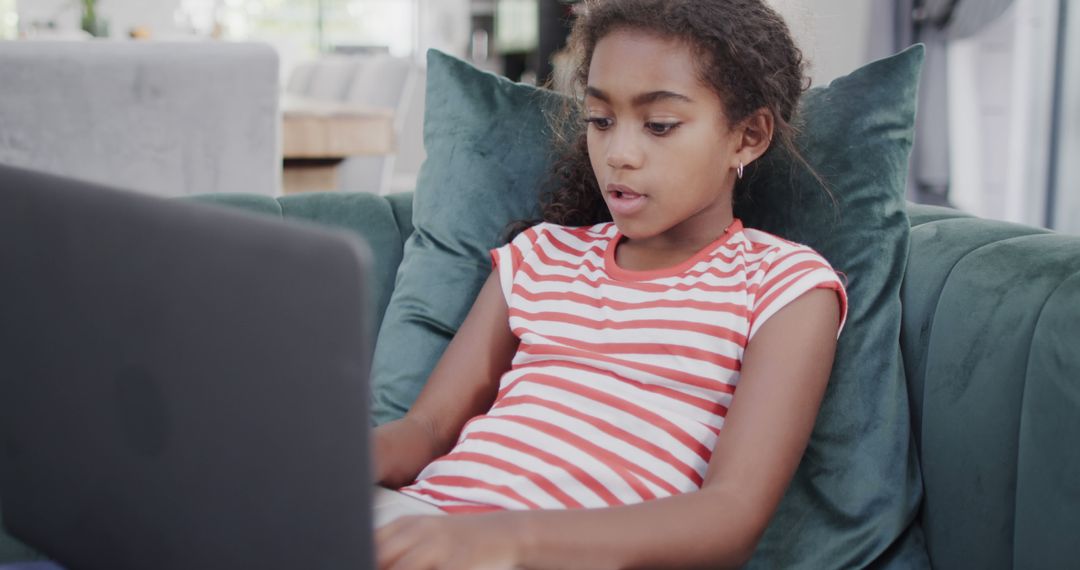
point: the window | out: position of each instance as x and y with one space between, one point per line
302 28
9 20
1000 86
369 23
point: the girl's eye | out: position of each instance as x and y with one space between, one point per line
660 129
601 123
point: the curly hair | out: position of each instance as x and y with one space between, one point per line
745 53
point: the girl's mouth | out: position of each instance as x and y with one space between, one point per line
624 201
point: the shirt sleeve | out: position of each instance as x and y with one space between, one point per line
791 274
507 259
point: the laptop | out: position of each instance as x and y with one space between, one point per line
181 385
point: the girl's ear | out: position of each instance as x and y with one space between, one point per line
755 135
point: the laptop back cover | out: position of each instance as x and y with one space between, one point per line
181 386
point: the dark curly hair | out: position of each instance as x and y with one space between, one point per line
744 51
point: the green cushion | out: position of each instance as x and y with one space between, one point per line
857 491
486 141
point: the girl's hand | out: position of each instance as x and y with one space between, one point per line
466 542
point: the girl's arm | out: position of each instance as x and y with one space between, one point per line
784 373
462 385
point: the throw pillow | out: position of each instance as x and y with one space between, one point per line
488 149
854 498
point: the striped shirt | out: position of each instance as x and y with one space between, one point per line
622 379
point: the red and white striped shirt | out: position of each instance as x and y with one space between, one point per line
622 378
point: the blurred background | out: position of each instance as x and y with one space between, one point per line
999 114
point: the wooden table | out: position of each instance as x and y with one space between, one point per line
317 135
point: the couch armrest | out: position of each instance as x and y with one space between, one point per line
991 326
919 214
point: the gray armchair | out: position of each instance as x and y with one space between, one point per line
166 118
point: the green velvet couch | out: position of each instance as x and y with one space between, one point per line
991 345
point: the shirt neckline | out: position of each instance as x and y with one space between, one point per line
613 269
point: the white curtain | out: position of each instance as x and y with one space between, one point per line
1066 200
1000 82
443 25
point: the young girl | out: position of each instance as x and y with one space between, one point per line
637 381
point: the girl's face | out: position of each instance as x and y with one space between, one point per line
661 146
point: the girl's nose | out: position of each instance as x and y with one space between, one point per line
623 151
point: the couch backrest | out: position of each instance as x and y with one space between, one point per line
991 346
385 222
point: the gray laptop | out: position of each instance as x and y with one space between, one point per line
181 386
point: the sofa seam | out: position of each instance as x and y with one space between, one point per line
937 220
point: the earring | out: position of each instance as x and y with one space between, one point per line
739 171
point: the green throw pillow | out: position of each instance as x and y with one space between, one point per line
488 148
855 496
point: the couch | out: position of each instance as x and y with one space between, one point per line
990 339
167 118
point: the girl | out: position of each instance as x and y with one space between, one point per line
586 413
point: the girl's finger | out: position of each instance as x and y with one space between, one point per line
418 557
392 541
